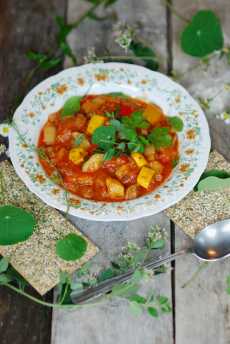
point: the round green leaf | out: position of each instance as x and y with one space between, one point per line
104 137
16 225
71 106
71 247
3 265
203 35
213 184
176 123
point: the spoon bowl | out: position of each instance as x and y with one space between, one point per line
213 242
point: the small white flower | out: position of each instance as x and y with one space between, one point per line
123 35
4 129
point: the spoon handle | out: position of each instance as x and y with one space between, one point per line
107 286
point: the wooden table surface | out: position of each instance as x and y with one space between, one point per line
201 311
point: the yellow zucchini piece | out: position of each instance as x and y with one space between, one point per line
77 155
139 159
145 176
49 134
93 163
152 114
95 122
115 188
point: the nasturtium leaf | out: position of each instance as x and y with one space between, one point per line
16 225
176 123
104 137
71 106
216 173
160 137
71 247
128 134
3 264
146 54
213 184
153 312
203 35
213 173
4 279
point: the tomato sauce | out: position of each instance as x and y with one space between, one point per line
70 152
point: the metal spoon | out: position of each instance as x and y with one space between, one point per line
211 244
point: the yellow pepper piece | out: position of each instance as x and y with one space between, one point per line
139 159
76 155
153 114
145 176
95 122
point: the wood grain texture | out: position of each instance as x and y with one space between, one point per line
108 323
24 25
201 81
202 308
113 323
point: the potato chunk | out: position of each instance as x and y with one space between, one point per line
77 155
95 122
139 159
115 188
156 166
93 163
131 192
153 114
127 173
150 152
49 134
145 176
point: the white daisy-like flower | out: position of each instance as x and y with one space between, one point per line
4 129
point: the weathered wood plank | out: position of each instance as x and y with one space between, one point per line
113 323
202 308
24 25
205 82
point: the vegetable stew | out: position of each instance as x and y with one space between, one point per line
109 147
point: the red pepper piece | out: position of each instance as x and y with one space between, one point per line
125 110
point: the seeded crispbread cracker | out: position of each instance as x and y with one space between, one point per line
199 209
35 259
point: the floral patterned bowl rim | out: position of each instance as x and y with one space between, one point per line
50 95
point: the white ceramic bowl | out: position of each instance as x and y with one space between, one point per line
50 95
